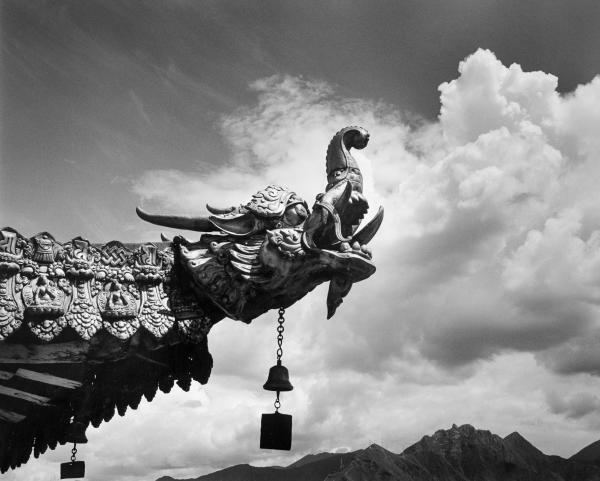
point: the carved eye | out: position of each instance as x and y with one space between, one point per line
301 211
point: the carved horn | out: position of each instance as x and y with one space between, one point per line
219 210
338 151
199 224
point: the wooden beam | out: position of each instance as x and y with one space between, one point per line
101 349
25 396
65 352
47 378
10 416
152 361
5 375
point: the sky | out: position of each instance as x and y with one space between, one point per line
484 152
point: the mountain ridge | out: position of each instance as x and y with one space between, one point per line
590 454
461 453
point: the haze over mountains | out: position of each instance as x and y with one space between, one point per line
461 453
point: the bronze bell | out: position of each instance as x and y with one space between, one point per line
75 433
279 379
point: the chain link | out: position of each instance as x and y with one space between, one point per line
74 453
280 330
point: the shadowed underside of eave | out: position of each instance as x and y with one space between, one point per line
41 394
87 330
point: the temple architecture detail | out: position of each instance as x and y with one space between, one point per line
82 323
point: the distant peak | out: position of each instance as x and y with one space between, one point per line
462 428
456 439
517 440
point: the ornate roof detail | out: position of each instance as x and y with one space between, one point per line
47 287
88 329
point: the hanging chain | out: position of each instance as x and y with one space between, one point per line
280 330
74 453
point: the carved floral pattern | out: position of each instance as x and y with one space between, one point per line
154 314
47 329
83 315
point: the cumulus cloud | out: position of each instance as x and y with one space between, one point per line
488 259
575 405
576 356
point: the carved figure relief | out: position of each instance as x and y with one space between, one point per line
48 286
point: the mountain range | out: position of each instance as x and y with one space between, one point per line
461 453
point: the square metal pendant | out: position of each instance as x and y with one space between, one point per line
75 469
276 431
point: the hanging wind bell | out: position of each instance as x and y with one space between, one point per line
276 428
75 434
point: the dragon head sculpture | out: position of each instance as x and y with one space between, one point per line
272 251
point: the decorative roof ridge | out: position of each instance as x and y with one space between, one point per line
47 286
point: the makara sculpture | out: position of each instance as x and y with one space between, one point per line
80 323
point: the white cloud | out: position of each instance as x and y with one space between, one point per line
487 286
573 405
488 96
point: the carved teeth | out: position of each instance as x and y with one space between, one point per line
345 247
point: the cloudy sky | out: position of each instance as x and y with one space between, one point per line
484 118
